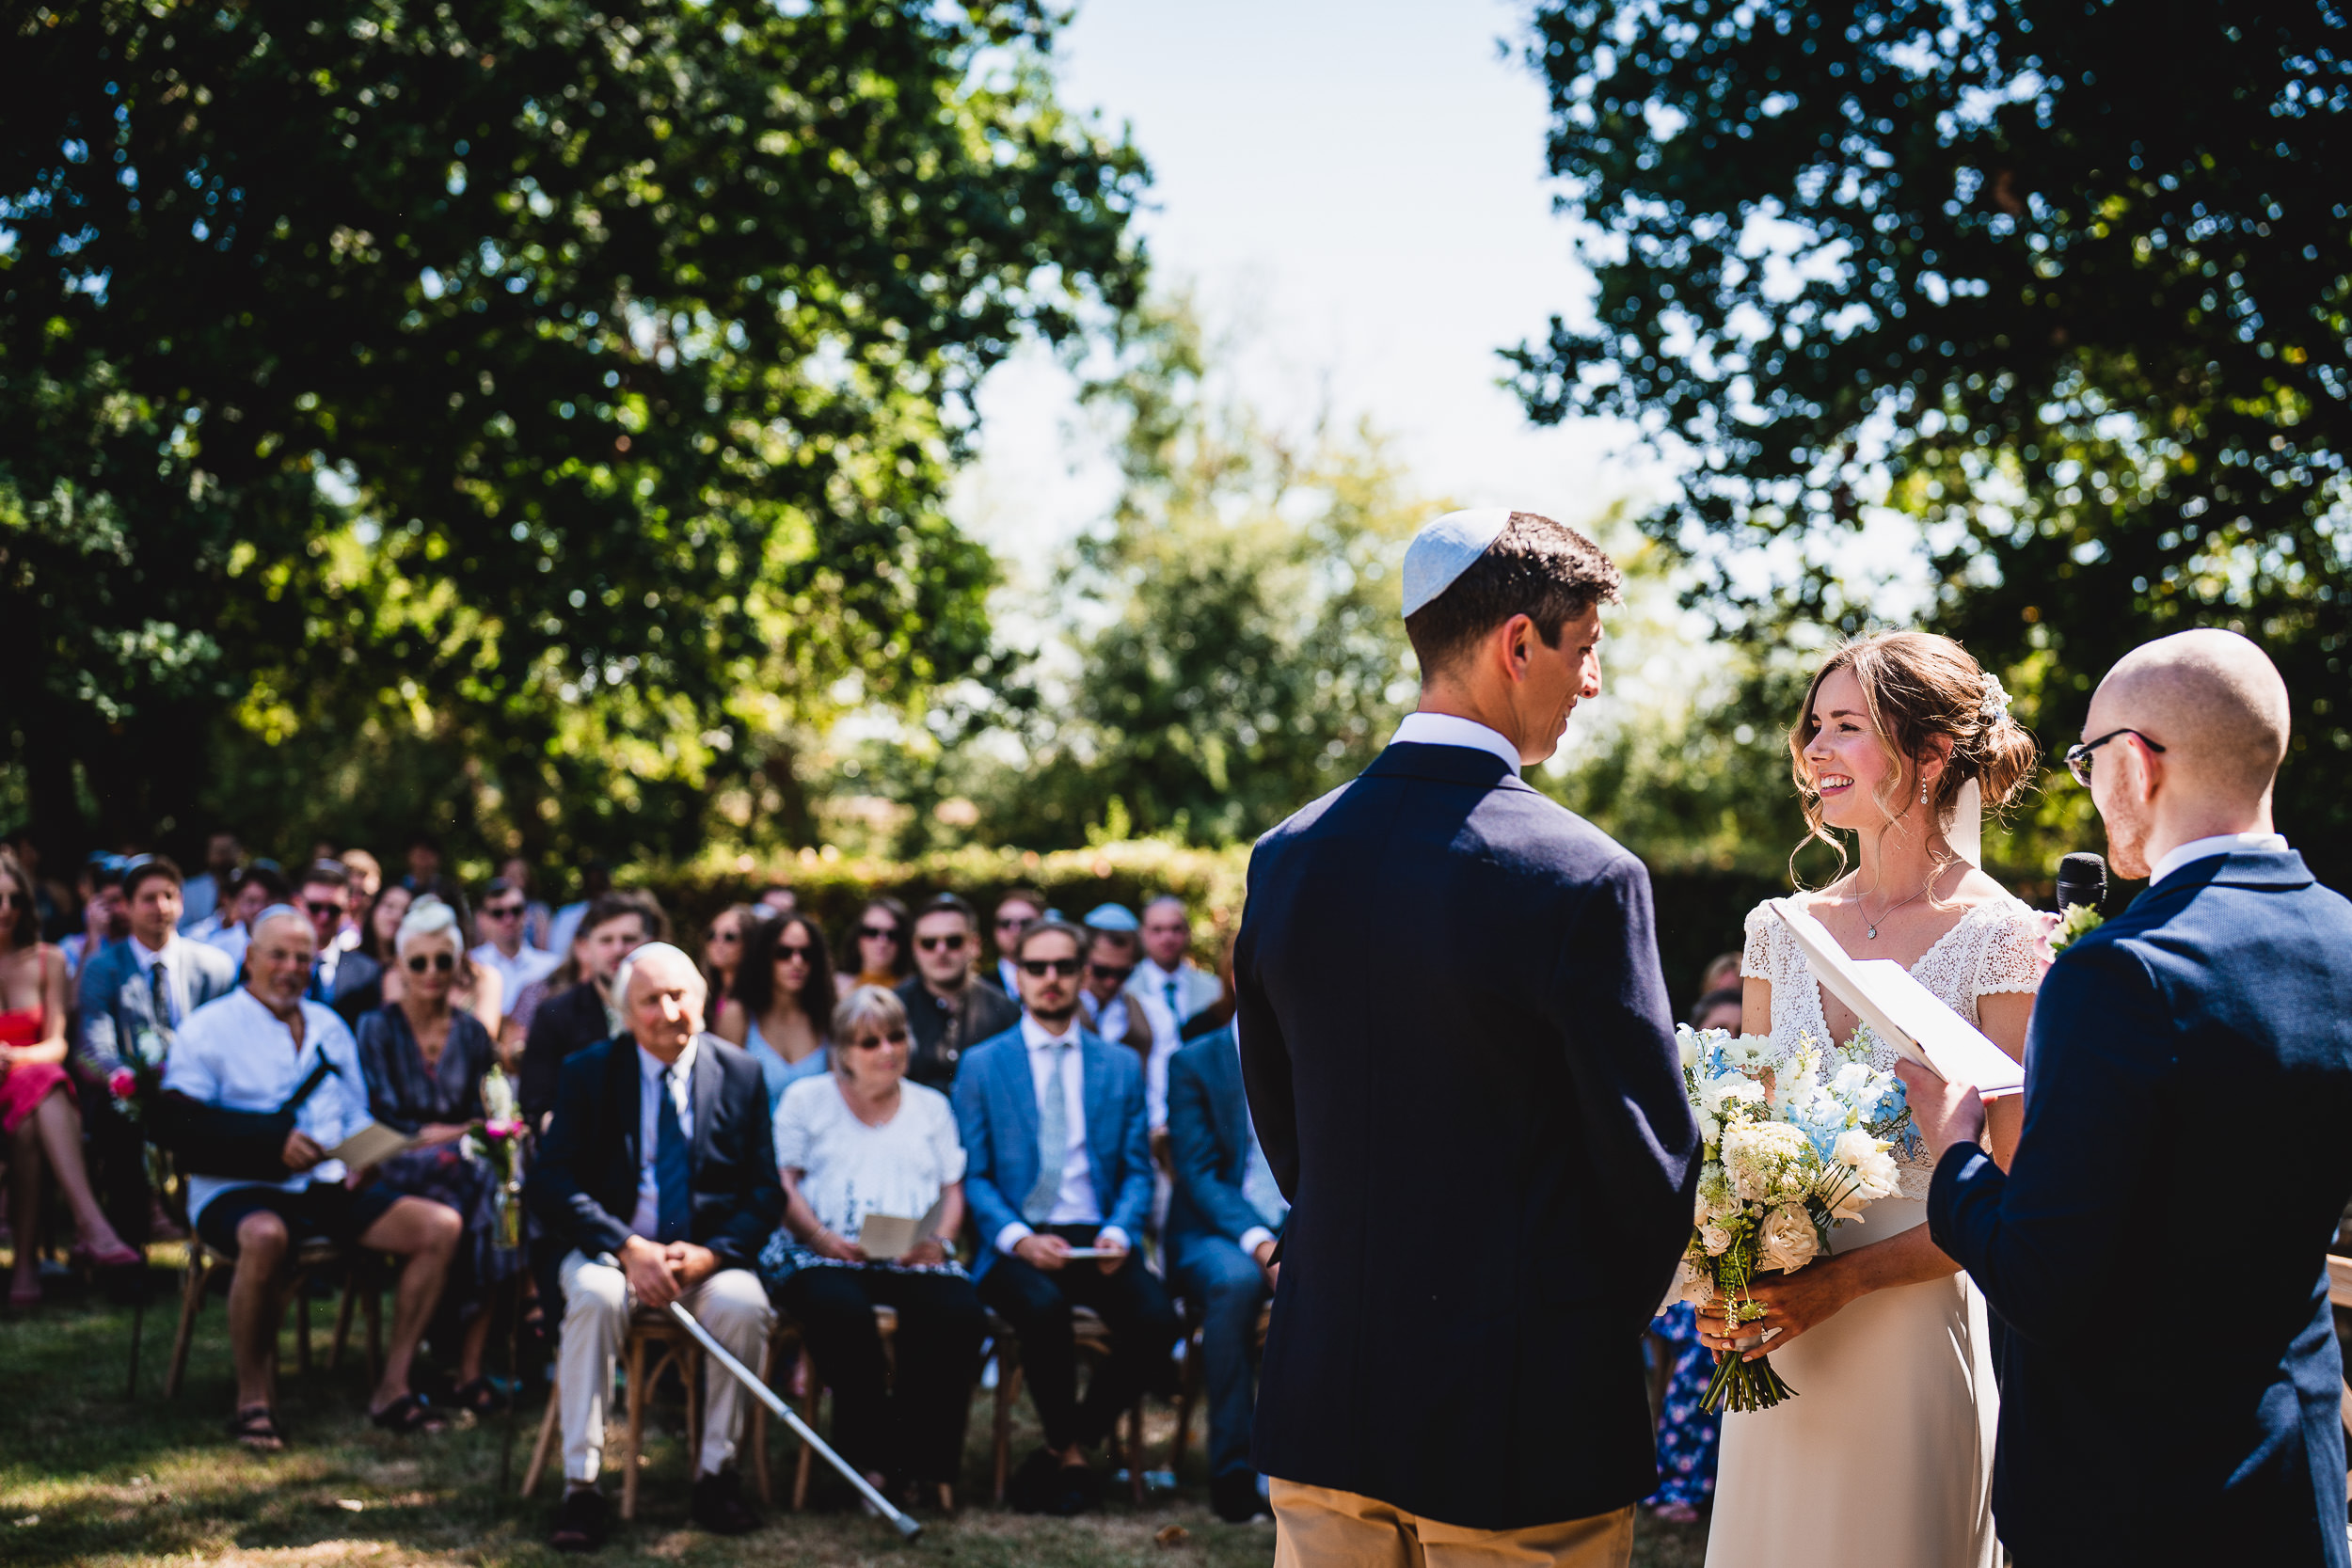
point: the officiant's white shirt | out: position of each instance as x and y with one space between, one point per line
2221 844
1446 729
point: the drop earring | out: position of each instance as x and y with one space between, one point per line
1923 792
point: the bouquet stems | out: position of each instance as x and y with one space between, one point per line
1739 1384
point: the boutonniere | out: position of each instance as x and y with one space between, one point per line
2080 920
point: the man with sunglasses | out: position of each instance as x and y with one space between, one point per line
2214 1014
1103 1000
1057 1159
502 949
1016 911
325 898
949 1010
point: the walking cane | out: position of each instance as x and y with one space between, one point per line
767 1396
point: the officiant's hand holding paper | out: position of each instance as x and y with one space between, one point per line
1946 1113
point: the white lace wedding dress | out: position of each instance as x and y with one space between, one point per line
1885 1458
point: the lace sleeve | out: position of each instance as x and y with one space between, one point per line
1756 955
2012 958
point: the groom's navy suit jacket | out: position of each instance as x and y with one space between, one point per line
2170 1385
1462 1070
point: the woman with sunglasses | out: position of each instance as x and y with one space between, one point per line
37 1110
424 1057
879 941
859 1142
724 940
783 1000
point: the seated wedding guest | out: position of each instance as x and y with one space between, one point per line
1137 1005
253 1051
515 962
424 865
656 1181
854 1143
425 1059
948 1011
258 887
104 920
204 891
881 945
1722 974
1223 1221
53 901
324 896
1104 1005
595 880
776 901
615 925
367 884
40 1110
1168 975
519 1018
1016 911
1057 1158
782 998
134 998
386 911
1220 1013
514 872
724 940
1688 1434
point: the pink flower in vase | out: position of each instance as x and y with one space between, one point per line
122 1082
502 1129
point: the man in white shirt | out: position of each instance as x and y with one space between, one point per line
1167 974
518 963
656 1180
253 1051
1058 1164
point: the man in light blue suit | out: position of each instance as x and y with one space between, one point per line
133 996
1223 1221
1058 1161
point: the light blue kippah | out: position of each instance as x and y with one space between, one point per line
1444 548
1112 917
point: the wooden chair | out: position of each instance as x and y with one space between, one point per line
1188 1392
655 1344
311 1260
786 1346
1094 1339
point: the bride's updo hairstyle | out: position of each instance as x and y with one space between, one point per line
1919 685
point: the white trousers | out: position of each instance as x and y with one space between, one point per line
732 1304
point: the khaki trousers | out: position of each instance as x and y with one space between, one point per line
1315 1527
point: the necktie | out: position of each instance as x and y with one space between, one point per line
159 994
669 1171
1053 1140
1169 990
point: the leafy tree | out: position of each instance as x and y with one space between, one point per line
2068 281
519 414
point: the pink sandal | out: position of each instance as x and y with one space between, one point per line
121 1256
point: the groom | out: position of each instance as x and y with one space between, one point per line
1462 1070
2170 1385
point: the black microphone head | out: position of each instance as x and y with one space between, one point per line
2082 879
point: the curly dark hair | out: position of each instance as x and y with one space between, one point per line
755 978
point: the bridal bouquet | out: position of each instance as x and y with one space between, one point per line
1789 1156
497 1138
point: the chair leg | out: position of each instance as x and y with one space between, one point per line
1007 1392
191 1300
302 1324
803 1466
1135 1452
1187 1391
759 1427
549 1422
371 1307
634 1441
343 1321
689 1367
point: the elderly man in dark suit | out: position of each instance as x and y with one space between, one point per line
1224 1219
1462 1070
1059 1160
133 997
2212 1017
656 1183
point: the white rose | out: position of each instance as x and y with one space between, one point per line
1686 1045
1788 1241
1693 1286
1716 1240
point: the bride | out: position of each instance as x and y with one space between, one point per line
1886 1455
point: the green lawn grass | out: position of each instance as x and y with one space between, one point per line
91 1476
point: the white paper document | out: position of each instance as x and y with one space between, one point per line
1905 1013
371 1146
887 1238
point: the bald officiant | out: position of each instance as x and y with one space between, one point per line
1488 1154
2170 1380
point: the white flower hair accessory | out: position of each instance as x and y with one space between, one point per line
1995 703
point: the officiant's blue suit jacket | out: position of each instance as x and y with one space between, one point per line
2170 1385
995 1101
1461 1066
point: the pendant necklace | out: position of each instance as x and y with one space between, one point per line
1873 935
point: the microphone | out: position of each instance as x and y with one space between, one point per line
2082 880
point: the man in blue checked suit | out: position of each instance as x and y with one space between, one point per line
1223 1221
1054 1130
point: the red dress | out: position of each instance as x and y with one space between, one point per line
25 1085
